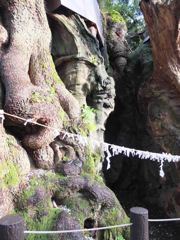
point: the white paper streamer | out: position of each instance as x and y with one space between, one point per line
110 149
113 150
2 116
106 149
161 172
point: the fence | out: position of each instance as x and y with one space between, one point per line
110 149
13 227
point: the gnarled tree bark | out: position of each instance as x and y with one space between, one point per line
33 88
161 93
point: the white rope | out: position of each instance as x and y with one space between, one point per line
110 149
78 230
164 220
28 120
98 228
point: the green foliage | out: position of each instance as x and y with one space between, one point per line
30 191
134 20
78 205
45 181
112 217
88 117
45 222
131 14
91 162
120 238
116 16
41 216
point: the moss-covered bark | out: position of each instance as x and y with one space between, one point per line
70 189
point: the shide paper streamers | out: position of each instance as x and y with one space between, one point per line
110 149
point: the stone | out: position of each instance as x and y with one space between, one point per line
80 65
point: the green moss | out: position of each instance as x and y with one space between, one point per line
53 90
47 181
30 191
91 162
41 216
80 207
36 97
93 59
9 169
116 16
13 149
9 174
112 217
54 73
65 158
48 67
88 118
89 165
10 141
42 220
51 78
62 116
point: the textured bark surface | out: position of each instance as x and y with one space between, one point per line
147 116
162 92
26 61
71 193
117 47
160 96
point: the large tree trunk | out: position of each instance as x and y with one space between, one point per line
33 88
163 20
68 196
162 92
160 96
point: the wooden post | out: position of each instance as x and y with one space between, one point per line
140 227
12 228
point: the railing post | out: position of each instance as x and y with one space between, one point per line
12 228
140 226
